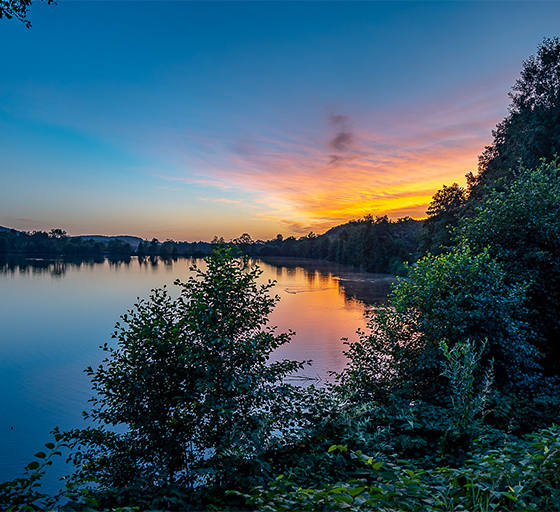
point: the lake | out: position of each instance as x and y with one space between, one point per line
54 315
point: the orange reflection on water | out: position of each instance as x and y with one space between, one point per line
322 307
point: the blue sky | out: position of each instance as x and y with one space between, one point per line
187 120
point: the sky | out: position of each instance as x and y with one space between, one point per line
189 120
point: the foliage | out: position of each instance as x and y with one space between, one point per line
451 298
54 242
18 9
23 493
459 367
190 379
443 216
376 244
519 476
520 226
531 130
529 133
206 412
428 435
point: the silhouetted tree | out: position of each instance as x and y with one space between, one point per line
443 215
18 9
531 131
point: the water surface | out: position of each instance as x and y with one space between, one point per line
54 315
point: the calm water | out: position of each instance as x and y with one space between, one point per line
54 315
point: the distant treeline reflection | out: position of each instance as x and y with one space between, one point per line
377 245
57 267
354 285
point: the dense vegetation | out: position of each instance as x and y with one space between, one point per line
374 244
54 242
527 136
442 423
450 399
57 242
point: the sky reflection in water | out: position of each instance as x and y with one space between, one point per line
55 315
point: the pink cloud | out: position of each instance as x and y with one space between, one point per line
385 161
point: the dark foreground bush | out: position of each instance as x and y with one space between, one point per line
520 476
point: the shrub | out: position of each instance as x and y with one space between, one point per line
452 297
191 382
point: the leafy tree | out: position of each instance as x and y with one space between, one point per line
531 131
169 249
443 216
190 378
153 247
117 247
18 9
520 226
454 297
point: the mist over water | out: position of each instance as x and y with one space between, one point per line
55 314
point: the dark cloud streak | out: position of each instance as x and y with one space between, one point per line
343 141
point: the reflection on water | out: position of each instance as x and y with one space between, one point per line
56 267
56 313
354 284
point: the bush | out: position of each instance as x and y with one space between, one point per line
520 476
453 297
520 227
190 380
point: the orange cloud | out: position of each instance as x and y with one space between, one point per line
387 162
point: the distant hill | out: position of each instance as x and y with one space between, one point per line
132 240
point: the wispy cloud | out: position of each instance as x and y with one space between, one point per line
196 181
379 161
220 200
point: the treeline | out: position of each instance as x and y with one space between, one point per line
56 242
376 244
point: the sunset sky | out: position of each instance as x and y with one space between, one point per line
187 120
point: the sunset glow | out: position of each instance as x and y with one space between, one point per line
198 119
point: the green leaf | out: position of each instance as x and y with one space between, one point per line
510 496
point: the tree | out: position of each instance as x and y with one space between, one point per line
58 233
443 216
190 378
153 248
520 226
18 9
453 298
531 131
244 243
117 247
446 200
